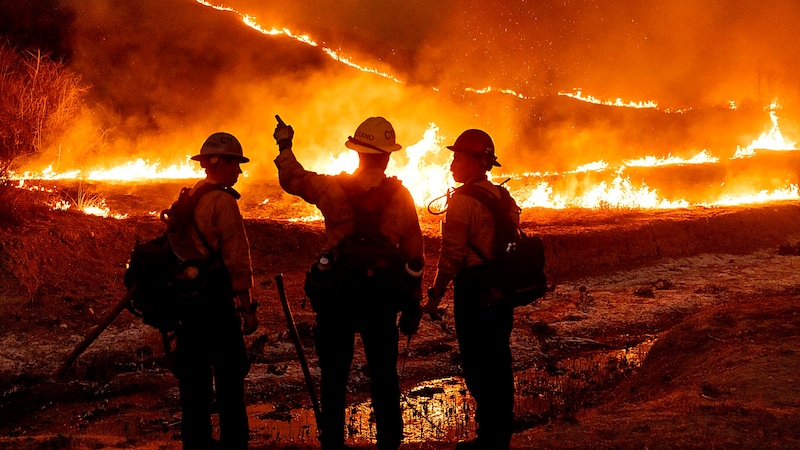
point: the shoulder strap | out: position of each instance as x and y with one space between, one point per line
368 205
182 210
505 228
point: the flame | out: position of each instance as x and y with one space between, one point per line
764 196
424 177
99 209
651 161
424 167
619 193
88 204
488 89
424 170
143 169
597 166
769 140
578 95
250 21
138 170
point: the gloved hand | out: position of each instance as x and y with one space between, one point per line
409 320
249 322
283 134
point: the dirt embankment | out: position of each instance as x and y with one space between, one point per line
709 284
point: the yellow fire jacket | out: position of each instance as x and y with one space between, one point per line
399 223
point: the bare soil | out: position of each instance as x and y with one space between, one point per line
715 291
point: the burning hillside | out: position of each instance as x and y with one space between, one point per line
560 146
653 145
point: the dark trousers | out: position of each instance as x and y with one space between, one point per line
211 356
484 334
334 337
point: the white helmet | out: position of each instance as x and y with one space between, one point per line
221 144
374 135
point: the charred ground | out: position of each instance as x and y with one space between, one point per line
716 290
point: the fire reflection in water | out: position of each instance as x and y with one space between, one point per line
442 410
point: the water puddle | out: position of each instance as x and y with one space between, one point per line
442 410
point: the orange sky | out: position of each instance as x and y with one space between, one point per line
165 74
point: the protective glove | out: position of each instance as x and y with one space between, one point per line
249 322
409 320
283 134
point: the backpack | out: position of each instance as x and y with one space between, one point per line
161 282
518 269
365 263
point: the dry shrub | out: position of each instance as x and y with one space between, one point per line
17 206
39 100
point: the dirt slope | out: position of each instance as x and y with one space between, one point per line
708 287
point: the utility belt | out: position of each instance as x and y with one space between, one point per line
476 282
329 286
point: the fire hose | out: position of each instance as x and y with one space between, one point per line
299 347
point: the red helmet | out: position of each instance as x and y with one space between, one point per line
476 142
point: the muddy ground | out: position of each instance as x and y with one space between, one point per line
664 330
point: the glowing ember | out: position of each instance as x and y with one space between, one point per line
318 217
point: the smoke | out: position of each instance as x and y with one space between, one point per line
689 55
166 74
683 53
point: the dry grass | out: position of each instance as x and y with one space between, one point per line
39 101
18 205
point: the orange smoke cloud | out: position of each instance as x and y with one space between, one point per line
164 75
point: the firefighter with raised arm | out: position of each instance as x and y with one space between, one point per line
370 270
210 348
483 322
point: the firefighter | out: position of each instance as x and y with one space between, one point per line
483 322
351 308
210 350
